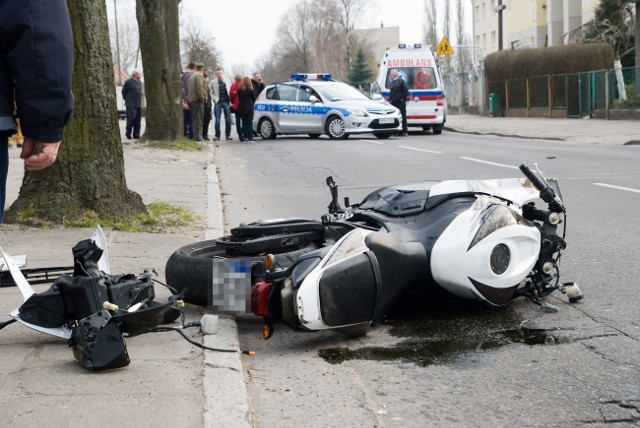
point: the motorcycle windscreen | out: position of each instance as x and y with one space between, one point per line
348 291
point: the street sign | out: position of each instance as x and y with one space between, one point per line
444 47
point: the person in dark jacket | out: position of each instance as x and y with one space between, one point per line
246 99
36 67
398 97
132 96
258 84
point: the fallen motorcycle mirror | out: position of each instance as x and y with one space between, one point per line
488 240
93 309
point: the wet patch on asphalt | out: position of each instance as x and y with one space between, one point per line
440 330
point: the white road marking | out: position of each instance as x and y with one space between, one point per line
489 163
373 142
611 186
420 150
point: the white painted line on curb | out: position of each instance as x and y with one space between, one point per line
611 186
420 150
373 142
489 163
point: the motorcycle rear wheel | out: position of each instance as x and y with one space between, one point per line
190 268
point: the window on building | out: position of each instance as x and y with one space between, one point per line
478 40
484 10
493 38
484 40
477 14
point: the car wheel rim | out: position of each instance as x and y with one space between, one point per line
266 129
336 128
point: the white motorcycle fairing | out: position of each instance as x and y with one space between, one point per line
486 251
308 306
517 190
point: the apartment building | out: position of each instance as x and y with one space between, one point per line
528 23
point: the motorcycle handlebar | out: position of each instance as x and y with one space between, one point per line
546 192
540 185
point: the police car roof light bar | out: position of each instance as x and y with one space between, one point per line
311 76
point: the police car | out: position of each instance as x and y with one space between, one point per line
314 104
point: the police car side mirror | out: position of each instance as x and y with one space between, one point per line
313 99
376 97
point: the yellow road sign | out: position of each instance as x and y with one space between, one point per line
444 47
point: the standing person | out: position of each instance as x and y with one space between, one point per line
246 99
398 97
258 84
132 96
207 109
36 67
186 110
197 97
220 94
233 98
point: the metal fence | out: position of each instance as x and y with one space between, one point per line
569 95
594 93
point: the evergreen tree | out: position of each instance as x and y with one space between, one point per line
360 73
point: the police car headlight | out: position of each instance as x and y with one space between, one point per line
357 112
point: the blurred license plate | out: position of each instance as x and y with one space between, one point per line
231 286
387 120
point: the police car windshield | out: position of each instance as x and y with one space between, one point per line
336 91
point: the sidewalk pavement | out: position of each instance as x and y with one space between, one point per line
169 382
581 131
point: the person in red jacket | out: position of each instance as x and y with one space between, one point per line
233 99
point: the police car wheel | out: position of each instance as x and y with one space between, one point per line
336 128
266 129
437 129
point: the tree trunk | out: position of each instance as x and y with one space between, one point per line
89 172
160 49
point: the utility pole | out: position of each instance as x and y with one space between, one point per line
499 9
115 12
637 47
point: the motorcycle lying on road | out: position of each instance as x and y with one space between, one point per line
479 239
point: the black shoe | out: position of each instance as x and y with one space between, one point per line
128 137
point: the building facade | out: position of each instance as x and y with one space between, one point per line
529 23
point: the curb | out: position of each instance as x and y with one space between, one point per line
226 398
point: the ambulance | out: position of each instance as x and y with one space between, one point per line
426 104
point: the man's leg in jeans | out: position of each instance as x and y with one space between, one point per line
4 168
216 113
227 119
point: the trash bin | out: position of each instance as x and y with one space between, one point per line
494 104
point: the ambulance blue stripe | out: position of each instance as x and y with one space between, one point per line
416 93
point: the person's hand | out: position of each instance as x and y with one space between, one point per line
37 161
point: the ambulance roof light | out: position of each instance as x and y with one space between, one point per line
402 46
311 76
417 45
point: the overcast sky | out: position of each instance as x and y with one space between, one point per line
244 30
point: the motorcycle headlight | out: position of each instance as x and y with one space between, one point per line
500 258
495 215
